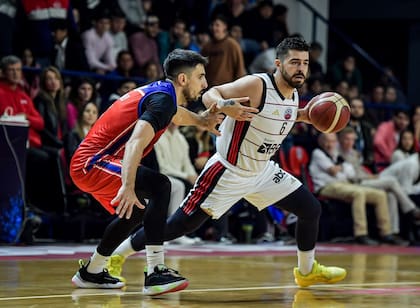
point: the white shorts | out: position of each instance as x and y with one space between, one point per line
220 186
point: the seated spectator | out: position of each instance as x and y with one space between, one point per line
376 112
250 48
346 70
415 125
30 79
41 188
405 147
117 33
50 103
82 92
85 120
152 72
13 100
98 44
69 52
172 152
125 87
387 137
186 41
263 62
332 175
315 67
407 171
396 195
144 45
364 132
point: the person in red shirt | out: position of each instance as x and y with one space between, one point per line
13 100
107 164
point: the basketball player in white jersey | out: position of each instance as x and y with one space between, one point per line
242 168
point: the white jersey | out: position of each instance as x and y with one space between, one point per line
249 145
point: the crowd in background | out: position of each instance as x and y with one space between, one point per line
116 46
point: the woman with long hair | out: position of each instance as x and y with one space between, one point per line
50 102
81 93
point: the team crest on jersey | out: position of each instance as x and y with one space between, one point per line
288 113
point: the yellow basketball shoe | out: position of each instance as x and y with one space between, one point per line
319 274
114 266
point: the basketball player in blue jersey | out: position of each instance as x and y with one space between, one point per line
242 168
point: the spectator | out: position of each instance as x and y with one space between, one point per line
250 47
396 195
172 152
98 44
85 120
68 52
144 45
390 96
117 33
135 14
30 79
415 125
405 147
346 70
376 112
125 65
7 21
331 177
186 42
387 137
364 132
125 87
407 171
261 17
13 100
39 16
82 92
152 72
315 67
223 51
50 103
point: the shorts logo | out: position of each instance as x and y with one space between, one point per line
279 176
268 148
288 113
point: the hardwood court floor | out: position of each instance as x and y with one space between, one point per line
220 276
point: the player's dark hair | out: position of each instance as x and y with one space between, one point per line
290 43
181 61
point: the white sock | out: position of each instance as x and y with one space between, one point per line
125 249
97 263
306 261
154 256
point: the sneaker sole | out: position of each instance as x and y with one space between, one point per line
168 288
337 279
80 283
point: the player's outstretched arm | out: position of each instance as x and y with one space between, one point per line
209 119
234 98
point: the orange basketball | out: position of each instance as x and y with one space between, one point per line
329 112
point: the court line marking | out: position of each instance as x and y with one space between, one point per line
120 292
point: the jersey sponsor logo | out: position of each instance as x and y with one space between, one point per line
268 148
288 113
279 176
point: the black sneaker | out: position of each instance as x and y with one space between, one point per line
84 279
163 280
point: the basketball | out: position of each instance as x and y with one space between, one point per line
329 112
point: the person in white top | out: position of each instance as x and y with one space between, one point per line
241 167
332 177
395 193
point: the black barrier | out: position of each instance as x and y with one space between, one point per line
13 140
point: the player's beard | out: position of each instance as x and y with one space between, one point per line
289 79
189 97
